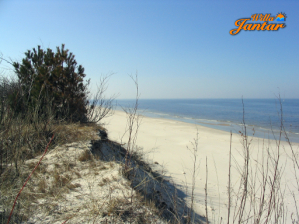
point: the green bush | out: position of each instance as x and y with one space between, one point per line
52 79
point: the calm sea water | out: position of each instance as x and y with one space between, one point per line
261 115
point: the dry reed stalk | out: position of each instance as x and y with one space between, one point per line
229 178
28 179
206 191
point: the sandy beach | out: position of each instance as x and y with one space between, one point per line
169 143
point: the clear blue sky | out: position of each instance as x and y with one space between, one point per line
180 49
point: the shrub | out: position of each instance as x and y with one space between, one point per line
51 78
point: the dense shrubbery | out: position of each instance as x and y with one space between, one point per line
48 90
51 80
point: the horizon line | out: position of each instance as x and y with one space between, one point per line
209 98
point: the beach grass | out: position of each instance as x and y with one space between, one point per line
183 173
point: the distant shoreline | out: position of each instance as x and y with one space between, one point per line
228 126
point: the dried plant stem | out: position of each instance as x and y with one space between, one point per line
28 179
133 122
194 174
206 191
229 179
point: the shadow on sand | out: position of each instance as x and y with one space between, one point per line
152 185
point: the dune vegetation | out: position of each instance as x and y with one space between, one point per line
58 164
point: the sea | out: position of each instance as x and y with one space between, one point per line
264 118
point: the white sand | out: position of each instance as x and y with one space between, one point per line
94 189
167 142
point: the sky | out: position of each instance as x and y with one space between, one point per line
178 48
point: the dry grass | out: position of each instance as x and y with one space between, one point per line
258 193
42 186
67 133
85 156
24 133
81 190
57 180
72 183
13 172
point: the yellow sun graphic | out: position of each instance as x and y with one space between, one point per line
280 16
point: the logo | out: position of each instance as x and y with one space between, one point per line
269 23
280 17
